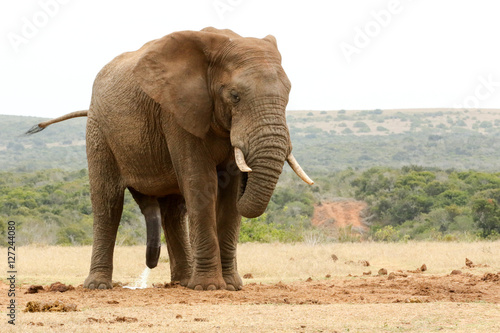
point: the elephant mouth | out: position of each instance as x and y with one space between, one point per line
243 184
261 182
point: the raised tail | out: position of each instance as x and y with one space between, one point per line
41 126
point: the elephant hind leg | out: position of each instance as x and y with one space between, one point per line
107 192
173 212
151 210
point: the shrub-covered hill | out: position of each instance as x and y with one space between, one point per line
61 145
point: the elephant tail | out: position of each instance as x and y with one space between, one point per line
41 126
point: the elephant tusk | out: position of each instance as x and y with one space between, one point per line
298 170
240 160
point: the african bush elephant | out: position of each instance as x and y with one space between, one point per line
192 122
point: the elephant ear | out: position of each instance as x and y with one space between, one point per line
271 39
227 32
173 71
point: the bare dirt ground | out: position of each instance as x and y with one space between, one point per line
171 307
340 214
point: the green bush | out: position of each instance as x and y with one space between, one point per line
430 204
258 230
486 214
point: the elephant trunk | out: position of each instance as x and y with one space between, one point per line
266 156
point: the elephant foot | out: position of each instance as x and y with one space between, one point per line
183 279
98 281
233 281
201 282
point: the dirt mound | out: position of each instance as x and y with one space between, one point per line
339 214
60 287
33 289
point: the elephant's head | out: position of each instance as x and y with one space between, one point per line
216 79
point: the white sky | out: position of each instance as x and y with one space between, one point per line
424 53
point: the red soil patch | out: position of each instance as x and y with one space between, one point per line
339 214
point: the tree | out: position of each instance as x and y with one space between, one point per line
486 214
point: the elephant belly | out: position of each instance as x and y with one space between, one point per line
146 167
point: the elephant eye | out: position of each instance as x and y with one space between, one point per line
235 98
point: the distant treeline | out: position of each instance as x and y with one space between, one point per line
53 206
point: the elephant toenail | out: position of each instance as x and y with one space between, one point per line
91 286
198 287
211 287
230 287
103 286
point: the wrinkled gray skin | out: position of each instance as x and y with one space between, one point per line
163 122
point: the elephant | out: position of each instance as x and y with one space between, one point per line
191 123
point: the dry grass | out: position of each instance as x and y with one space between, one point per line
266 262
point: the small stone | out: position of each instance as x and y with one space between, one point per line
413 300
456 272
117 284
423 268
391 276
125 319
382 271
334 257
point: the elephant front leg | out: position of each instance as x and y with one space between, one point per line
228 225
201 205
